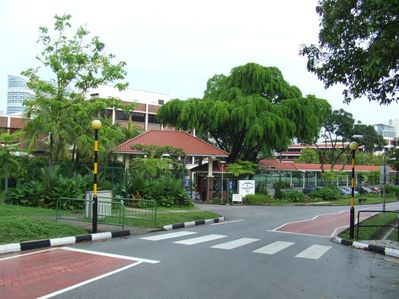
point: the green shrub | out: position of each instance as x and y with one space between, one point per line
293 196
278 189
30 195
254 199
327 193
46 192
165 191
392 190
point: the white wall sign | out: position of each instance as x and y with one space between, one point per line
246 187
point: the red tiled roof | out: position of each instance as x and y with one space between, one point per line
191 145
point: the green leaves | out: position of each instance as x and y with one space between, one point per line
59 107
358 44
249 114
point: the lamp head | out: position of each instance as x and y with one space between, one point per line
96 124
353 146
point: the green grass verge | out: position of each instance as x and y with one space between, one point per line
165 217
25 223
375 233
22 228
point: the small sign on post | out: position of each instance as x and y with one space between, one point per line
237 198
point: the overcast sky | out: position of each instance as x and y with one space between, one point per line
175 46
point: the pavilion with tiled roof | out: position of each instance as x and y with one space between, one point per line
194 148
191 145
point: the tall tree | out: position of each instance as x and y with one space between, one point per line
59 107
371 140
337 128
358 47
250 113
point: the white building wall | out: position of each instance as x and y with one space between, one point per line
129 95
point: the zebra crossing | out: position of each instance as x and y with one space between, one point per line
313 252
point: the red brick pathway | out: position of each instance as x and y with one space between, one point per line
323 225
37 274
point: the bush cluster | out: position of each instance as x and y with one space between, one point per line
166 191
293 196
256 199
326 193
51 186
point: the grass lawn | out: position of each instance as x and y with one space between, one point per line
346 201
375 233
26 223
21 228
172 217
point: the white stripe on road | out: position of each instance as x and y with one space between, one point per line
235 243
273 247
168 236
200 239
313 252
228 222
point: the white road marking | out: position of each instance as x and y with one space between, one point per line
313 252
130 258
273 247
88 281
235 243
200 239
299 234
168 236
228 222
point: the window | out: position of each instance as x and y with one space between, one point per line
152 118
161 102
137 116
121 115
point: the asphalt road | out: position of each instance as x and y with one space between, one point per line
243 258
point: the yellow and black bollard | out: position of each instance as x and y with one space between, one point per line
96 125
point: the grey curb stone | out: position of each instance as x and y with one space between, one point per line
379 249
15 247
192 223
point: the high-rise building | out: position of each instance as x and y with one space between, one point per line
18 91
395 123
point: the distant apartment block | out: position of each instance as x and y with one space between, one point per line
17 92
294 151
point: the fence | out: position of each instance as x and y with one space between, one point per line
376 225
120 212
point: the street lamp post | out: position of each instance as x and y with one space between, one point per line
96 125
353 146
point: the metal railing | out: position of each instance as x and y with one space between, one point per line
376 225
119 212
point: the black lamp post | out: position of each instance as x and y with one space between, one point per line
353 146
96 125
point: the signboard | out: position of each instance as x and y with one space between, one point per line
237 198
246 187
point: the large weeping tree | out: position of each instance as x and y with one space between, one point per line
250 113
358 47
75 63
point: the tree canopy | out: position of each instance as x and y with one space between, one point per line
59 107
358 47
250 113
